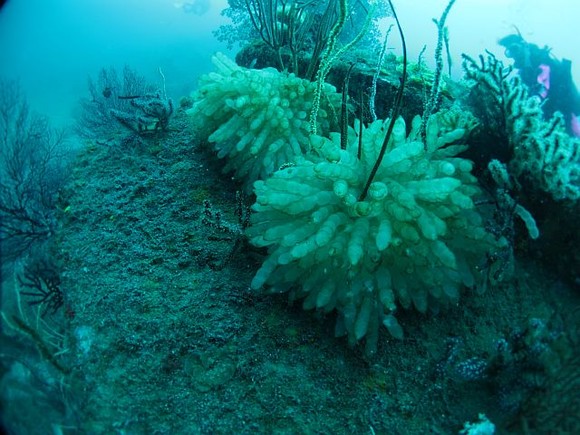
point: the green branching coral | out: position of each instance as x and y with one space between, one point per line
414 241
543 153
258 119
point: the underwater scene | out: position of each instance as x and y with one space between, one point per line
289 217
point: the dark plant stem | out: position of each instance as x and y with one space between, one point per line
394 114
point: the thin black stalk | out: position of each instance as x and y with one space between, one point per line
360 125
344 111
394 114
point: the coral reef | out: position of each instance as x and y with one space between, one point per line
540 160
542 153
152 113
258 119
416 240
107 94
292 36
